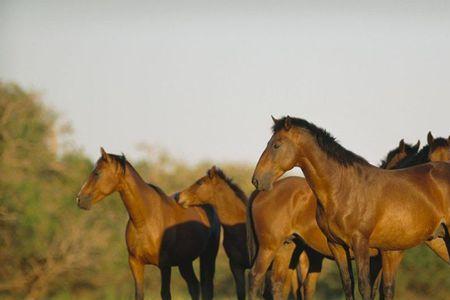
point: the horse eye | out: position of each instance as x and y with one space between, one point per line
276 146
96 174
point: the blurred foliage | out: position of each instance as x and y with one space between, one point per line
49 249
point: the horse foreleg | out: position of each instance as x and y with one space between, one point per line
345 269
137 269
165 283
360 247
390 261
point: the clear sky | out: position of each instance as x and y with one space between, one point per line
201 78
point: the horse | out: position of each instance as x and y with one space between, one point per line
229 202
360 206
292 206
159 231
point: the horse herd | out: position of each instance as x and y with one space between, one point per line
344 209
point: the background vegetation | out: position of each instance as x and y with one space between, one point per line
49 249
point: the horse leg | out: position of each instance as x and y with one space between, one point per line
188 274
345 269
302 274
137 269
239 279
281 271
375 274
440 246
267 292
207 270
315 267
390 260
360 246
165 283
258 271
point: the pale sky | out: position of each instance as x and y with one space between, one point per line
201 78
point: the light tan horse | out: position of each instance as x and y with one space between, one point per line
159 231
360 206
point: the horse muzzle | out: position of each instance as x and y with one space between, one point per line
84 202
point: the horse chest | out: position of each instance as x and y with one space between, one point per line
330 225
143 245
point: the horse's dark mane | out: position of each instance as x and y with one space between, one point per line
440 142
236 189
157 189
121 160
409 149
422 156
325 141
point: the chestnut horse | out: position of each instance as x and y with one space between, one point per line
292 206
230 203
360 206
159 231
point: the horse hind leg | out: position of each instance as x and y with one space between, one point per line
165 283
315 267
390 262
208 268
281 279
258 271
188 274
441 244
238 272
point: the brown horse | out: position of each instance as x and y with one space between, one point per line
159 231
230 202
291 205
360 206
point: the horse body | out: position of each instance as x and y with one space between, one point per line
289 205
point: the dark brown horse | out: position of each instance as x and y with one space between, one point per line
291 205
230 203
360 206
159 231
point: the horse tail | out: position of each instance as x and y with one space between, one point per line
252 246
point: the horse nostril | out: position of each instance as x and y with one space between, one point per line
255 182
177 196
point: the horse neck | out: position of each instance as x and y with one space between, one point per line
138 197
229 207
324 174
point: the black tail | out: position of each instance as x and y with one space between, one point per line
250 228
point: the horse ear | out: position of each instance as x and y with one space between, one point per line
401 145
416 146
287 123
430 138
212 172
274 119
105 155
